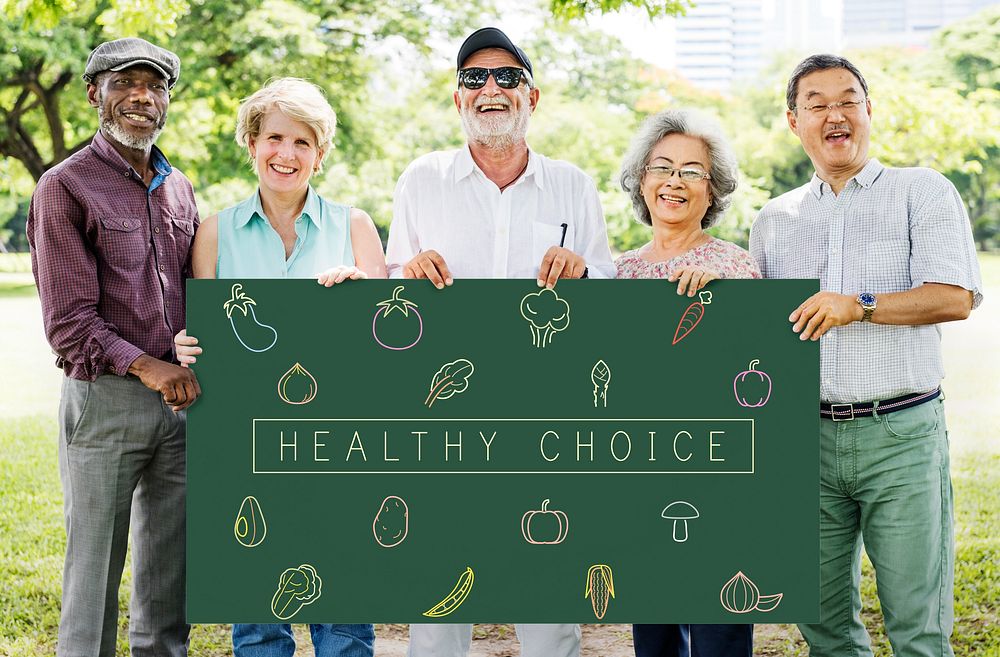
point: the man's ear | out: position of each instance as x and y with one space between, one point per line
93 95
793 122
533 98
458 101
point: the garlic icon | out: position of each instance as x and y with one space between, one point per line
741 596
297 386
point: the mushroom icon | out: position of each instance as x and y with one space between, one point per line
680 512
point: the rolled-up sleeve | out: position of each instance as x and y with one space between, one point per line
941 246
593 240
65 270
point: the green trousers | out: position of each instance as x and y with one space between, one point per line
885 484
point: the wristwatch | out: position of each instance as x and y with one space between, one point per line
867 301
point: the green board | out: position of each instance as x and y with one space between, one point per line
382 451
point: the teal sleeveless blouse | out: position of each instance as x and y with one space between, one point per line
250 248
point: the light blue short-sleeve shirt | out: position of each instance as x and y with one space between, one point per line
889 230
249 247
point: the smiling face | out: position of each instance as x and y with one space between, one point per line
131 105
835 140
493 116
673 202
285 154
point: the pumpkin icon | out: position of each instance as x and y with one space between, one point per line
752 387
544 527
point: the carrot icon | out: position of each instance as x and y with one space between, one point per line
692 316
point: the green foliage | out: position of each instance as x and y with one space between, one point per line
938 108
653 8
968 50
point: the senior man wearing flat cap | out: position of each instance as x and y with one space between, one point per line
496 209
110 231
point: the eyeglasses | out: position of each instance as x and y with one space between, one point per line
665 173
507 77
846 106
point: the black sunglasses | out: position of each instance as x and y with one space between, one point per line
507 77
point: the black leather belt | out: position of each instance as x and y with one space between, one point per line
841 412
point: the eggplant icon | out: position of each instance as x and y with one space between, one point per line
253 335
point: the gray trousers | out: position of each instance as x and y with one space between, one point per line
121 457
455 639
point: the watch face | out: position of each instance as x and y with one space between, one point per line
866 299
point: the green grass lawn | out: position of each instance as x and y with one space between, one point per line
31 552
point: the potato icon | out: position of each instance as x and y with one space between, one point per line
391 522
250 528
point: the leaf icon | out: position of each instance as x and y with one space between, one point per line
451 379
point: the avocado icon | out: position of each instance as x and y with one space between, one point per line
391 522
250 528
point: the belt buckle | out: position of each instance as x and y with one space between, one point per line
837 415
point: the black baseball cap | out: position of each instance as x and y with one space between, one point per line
491 37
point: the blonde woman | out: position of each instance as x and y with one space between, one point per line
287 230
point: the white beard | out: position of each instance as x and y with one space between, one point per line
500 130
114 130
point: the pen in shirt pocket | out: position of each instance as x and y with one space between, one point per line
562 240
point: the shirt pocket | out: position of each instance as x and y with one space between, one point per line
123 242
887 266
544 236
180 230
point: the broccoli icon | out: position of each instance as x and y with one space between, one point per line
547 313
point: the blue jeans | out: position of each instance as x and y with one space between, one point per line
693 640
275 640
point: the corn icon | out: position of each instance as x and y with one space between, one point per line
600 587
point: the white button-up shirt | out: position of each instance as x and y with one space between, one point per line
889 230
443 201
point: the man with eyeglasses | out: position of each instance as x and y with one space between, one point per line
496 209
894 254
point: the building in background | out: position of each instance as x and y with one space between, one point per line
722 43
873 23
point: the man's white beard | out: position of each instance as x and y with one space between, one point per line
122 136
496 130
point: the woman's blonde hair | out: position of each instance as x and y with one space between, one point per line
297 99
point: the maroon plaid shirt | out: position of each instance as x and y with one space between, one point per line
110 258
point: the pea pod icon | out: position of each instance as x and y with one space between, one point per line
253 335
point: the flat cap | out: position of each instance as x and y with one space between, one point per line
491 37
123 53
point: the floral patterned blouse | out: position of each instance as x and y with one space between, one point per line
724 258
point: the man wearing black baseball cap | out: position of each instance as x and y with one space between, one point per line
541 218
496 209
110 231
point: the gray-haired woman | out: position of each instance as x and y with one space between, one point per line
679 173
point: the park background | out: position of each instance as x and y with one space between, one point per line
388 71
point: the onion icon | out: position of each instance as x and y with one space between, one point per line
741 596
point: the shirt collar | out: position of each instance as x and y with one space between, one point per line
866 178
255 208
465 166
157 159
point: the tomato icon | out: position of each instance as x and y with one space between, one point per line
397 330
